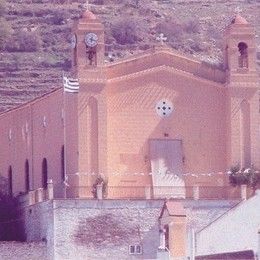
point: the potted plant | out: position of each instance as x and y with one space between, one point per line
100 181
247 176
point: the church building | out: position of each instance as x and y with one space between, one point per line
159 119
155 134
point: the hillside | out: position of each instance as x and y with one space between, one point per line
36 48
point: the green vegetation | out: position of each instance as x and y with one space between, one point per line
124 31
248 176
8 212
99 181
2 7
5 29
35 35
23 41
5 33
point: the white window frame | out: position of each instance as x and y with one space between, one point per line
135 249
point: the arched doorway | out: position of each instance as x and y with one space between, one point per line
10 181
44 173
27 175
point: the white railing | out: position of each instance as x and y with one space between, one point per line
61 191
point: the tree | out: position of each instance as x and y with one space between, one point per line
125 31
5 32
23 41
137 2
2 8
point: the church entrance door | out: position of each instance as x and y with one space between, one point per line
167 168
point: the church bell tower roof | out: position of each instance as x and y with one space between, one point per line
239 20
88 15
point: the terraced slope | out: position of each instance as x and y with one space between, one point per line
193 27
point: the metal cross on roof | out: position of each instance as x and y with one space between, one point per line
161 38
87 5
238 10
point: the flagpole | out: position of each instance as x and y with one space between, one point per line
64 139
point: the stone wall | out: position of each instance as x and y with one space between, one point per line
38 224
23 251
92 229
104 229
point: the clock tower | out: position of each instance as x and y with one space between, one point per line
88 107
88 42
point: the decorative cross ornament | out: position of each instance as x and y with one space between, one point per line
238 10
161 38
86 5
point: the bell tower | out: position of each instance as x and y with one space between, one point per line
88 43
240 50
88 66
242 83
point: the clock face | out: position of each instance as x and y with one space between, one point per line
91 39
73 41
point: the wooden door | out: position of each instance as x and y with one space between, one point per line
166 156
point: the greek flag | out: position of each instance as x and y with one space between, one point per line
70 85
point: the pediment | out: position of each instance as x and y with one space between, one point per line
166 59
163 72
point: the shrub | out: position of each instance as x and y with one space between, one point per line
258 55
58 18
248 176
125 31
8 212
197 46
24 41
28 41
171 29
2 7
5 32
98 2
99 181
192 26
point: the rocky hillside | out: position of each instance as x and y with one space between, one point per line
35 35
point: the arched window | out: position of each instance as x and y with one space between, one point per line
44 173
62 163
243 58
10 180
27 176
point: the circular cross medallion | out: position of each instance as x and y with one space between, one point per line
164 108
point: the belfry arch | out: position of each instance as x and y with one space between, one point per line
243 55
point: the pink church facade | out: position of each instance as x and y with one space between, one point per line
157 119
